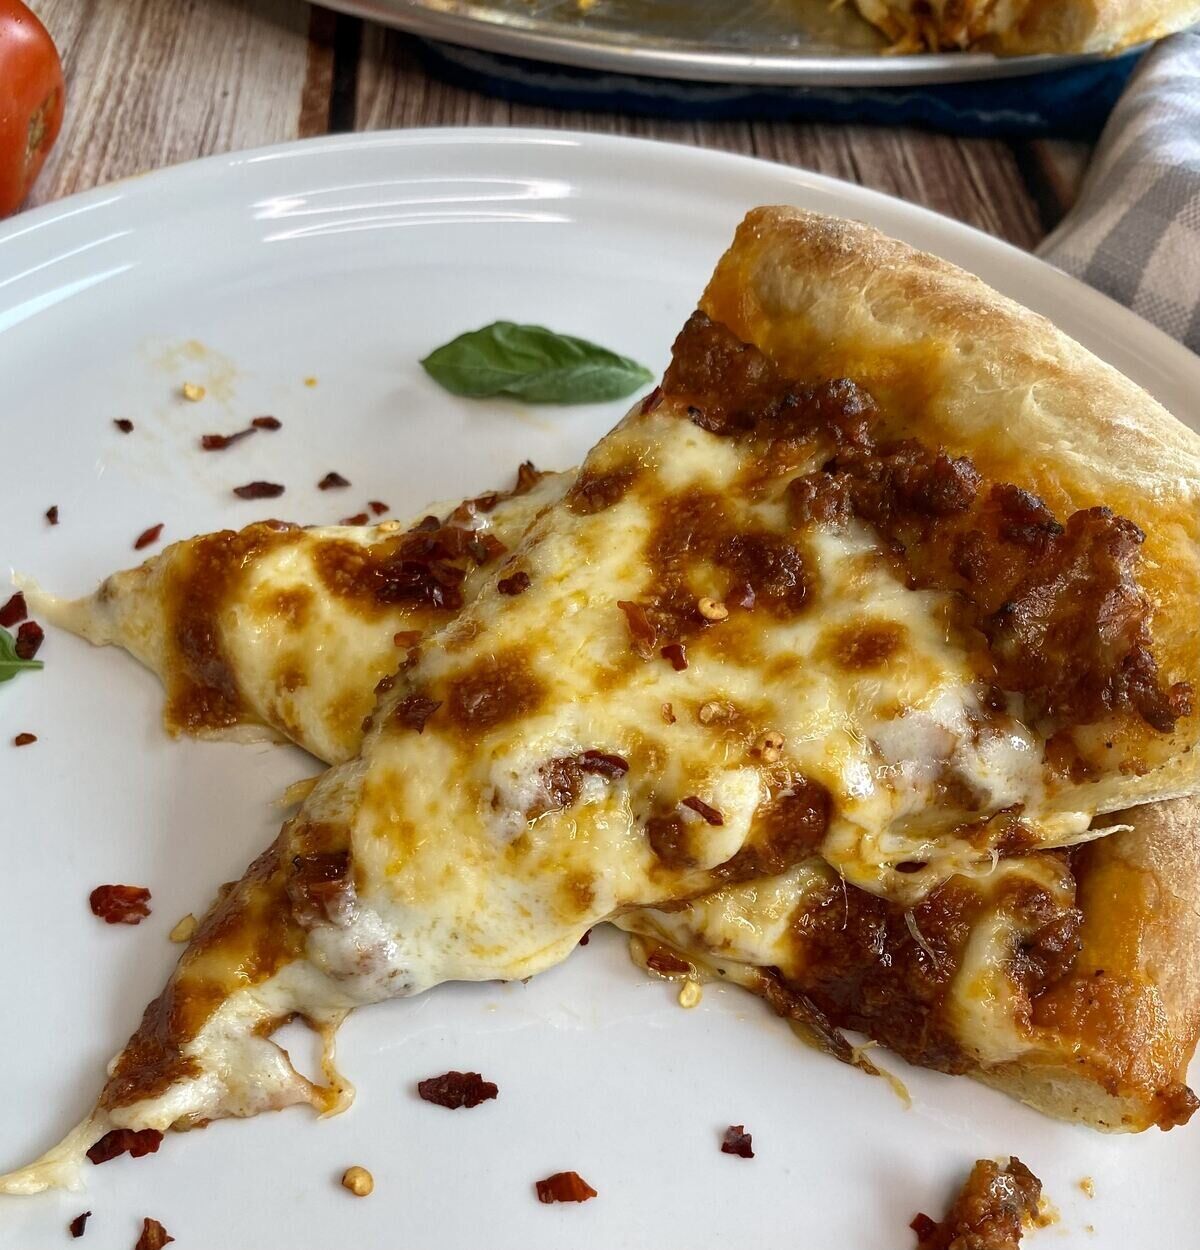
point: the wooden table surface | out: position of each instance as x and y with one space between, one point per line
154 82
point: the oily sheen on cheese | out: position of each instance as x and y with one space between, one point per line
758 630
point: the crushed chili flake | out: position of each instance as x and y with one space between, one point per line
52 514
652 400
414 711
514 585
153 1237
359 518
378 507
23 740
923 1226
13 611
266 423
603 764
29 640
737 1142
457 1089
332 481
123 424
79 1223
702 809
676 653
587 937
218 442
667 964
668 714
146 537
120 904
528 476
119 1141
564 1187
641 628
258 490
406 638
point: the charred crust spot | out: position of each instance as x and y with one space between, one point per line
454 1090
496 690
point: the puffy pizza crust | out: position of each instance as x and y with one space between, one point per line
1022 27
1139 891
956 363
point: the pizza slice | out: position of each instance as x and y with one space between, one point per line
276 630
1024 27
775 617
1069 980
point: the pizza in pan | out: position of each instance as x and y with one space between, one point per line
777 625
1022 27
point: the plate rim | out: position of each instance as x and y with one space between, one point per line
1171 355
698 64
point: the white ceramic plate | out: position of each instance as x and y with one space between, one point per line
346 261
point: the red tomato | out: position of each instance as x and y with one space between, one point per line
32 95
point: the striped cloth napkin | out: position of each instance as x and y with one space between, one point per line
1135 232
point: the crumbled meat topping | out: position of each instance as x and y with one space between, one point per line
457 1089
996 1204
120 904
564 1187
737 1142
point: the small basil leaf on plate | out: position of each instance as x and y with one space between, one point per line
10 662
533 364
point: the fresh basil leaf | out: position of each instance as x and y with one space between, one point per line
10 662
533 364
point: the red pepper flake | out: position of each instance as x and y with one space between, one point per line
29 640
258 490
677 654
266 423
603 765
23 740
146 537
126 427
587 937
52 514
120 904
652 400
667 964
923 1226
564 1187
153 1237
332 480
702 809
378 507
218 442
79 1223
414 711
13 611
119 1141
737 1142
457 1089
668 714
641 628
517 584
406 638
359 518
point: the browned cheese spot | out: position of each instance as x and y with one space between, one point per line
494 691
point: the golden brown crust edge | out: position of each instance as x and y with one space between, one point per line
948 356
1139 891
